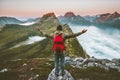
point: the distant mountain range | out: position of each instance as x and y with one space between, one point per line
91 18
9 20
33 20
12 20
71 18
106 19
101 19
109 19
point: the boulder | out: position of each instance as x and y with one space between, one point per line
66 76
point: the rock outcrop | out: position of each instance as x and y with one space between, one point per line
69 14
66 76
93 62
48 15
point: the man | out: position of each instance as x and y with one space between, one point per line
59 47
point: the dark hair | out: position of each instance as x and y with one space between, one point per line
59 27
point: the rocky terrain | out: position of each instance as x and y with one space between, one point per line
66 76
93 62
78 68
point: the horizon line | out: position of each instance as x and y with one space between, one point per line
55 14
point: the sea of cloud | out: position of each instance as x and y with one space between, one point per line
100 43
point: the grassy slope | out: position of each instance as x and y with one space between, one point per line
11 35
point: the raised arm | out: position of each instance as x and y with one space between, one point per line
76 34
43 34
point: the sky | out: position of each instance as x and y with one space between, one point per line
36 8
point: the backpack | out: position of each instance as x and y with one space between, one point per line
58 46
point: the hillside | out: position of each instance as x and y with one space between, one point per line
35 61
13 34
9 20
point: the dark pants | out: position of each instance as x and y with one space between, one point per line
59 58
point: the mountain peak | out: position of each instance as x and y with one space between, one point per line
106 14
69 14
105 17
52 15
115 14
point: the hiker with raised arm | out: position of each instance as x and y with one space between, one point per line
59 47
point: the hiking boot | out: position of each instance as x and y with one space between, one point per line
56 74
63 73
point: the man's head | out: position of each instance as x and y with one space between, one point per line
59 28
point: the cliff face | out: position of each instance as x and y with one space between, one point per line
74 49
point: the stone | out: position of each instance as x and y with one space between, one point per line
4 70
66 76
